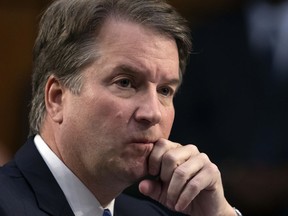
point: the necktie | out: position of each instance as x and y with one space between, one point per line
106 212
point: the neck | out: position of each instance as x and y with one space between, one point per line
104 189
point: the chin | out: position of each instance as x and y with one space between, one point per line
130 170
135 173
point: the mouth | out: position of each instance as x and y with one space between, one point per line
142 146
144 141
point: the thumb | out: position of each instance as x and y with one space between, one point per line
151 188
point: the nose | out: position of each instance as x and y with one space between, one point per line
149 109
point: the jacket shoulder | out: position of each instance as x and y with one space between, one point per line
15 193
126 205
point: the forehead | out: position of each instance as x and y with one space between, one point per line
122 31
127 41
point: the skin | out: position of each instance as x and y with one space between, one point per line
116 130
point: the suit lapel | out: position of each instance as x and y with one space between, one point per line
49 195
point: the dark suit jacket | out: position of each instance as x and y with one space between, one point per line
28 188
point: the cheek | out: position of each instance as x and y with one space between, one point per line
167 122
111 111
112 108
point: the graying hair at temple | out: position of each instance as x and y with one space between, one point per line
66 41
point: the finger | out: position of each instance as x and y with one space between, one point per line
174 158
202 182
182 174
151 188
155 158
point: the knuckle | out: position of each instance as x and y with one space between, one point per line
214 168
170 158
194 185
192 148
204 157
161 142
180 173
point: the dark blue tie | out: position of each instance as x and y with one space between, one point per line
106 212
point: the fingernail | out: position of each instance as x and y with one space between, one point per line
178 207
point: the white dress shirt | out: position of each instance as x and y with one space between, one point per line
80 199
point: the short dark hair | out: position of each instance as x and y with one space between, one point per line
67 34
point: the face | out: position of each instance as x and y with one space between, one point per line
125 104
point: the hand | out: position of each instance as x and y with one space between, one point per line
188 181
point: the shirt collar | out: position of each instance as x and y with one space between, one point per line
80 199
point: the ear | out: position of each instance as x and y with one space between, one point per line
54 99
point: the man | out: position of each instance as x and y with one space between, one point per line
105 74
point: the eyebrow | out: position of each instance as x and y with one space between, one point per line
132 70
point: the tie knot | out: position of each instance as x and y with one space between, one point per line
106 212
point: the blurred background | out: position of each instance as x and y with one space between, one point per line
233 103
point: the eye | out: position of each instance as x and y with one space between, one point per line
124 83
166 91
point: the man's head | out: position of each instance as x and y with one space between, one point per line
67 41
